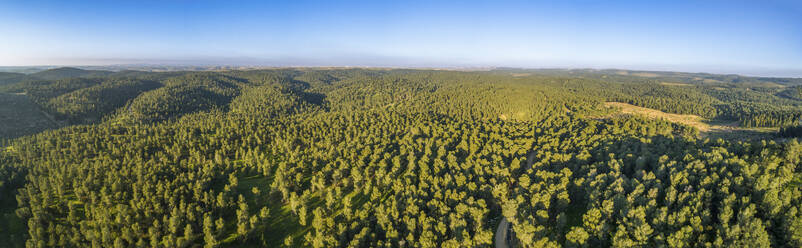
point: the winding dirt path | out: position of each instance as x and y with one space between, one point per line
503 230
501 233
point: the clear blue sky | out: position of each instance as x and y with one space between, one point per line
751 37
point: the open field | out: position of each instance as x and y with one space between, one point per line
711 128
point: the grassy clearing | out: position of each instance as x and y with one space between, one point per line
706 127
690 120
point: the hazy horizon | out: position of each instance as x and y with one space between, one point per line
136 66
721 37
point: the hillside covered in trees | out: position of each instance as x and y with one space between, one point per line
397 158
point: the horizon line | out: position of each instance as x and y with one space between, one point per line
454 68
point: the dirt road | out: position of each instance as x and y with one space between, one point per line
504 225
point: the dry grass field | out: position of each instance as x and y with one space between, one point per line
706 127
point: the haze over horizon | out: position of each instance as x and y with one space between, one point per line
749 38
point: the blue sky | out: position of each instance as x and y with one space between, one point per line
747 37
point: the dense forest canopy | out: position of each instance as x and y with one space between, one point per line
396 158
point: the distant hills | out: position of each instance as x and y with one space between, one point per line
68 72
20 74
11 77
666 76
51 74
